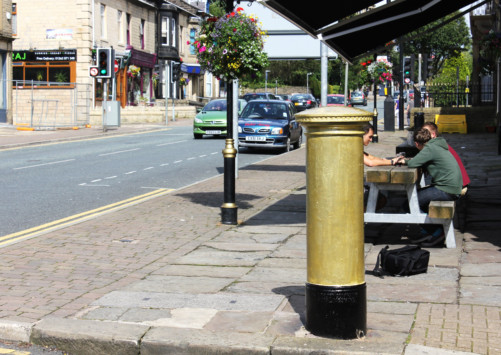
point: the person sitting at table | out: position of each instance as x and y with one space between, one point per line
446 180
371 160
432 127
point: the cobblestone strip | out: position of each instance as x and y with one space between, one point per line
458 327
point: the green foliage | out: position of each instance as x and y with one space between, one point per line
448 73
217 8
445 42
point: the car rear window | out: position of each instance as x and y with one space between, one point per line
301 97
335 99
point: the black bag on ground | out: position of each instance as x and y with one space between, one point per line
409 260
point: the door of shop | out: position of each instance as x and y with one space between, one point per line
121 82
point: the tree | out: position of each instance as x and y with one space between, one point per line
449 69
447 41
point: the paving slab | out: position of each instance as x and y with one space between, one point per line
480 294
210 256
180 284
203 270
220 301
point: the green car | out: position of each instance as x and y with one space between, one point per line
212 119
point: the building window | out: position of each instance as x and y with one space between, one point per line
44 74
142 30
103 21
128 28
14 19
120 16
165 31
173 32
193 34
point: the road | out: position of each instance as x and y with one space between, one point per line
48 186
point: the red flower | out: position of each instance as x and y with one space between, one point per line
239 9
234 30
364 64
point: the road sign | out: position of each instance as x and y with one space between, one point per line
407 80
116 65
93 71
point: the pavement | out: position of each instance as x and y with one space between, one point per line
164 276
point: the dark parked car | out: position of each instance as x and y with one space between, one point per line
269 124
259 96
304 101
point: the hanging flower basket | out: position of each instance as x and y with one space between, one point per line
231 46
490 51
380 71
184 81
133 71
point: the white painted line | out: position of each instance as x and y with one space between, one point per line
97 180
164 164
149 168
131 172
161 145
110 177
202 156
191 158
177 161
119 152
213 153
34 166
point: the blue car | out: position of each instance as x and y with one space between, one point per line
269 124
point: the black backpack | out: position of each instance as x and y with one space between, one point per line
409 260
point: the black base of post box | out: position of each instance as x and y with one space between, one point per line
336 311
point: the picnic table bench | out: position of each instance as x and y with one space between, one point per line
402 178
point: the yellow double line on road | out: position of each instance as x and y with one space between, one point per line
77 218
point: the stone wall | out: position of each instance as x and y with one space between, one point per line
478 119
146 114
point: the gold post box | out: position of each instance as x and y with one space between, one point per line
336 303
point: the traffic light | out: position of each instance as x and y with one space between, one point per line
176 71
429 65
105 60
407 69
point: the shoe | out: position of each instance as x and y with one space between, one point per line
433 241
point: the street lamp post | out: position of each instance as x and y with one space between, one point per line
266 80
307 86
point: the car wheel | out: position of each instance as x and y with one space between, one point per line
365 103
297 145
288 145
197 136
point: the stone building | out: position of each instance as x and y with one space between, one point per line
55 47
7 26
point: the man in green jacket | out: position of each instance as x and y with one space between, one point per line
446 184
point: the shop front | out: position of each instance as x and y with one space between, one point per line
136 80
192 81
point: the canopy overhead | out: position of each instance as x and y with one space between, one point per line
351 34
